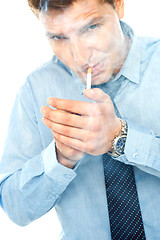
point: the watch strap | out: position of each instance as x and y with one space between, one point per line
118 143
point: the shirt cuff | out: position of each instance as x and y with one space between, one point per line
54 169
138 144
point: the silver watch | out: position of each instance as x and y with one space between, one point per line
119 141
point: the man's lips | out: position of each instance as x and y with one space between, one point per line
96 69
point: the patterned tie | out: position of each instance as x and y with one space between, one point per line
123 205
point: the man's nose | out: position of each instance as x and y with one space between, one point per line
81 52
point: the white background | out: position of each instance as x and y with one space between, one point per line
23 47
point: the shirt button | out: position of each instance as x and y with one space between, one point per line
135 155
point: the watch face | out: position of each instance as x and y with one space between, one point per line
120 145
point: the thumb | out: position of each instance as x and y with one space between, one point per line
96 95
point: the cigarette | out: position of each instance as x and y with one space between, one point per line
89 76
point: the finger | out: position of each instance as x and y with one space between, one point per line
68 119
77 144
68 152
72 132
62 117
74 127
72 106
97 95
70 142
77 133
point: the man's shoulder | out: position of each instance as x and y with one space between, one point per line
149 44
48 76
50 72
53 65
149 49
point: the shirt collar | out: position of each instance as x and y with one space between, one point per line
131 66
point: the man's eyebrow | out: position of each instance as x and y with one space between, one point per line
92 21
81 29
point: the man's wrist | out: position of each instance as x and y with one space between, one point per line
64 160
118 143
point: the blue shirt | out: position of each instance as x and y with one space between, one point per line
32 180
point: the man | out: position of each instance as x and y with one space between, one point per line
95 154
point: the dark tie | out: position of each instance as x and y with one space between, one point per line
123 205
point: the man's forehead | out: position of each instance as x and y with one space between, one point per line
74 17
74 11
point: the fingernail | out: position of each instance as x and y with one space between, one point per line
49 101
42 110
90 91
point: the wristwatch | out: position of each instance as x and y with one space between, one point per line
119 141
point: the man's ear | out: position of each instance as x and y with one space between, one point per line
120 8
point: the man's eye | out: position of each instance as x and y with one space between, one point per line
92 27
56 38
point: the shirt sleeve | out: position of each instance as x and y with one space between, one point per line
142 149
32 180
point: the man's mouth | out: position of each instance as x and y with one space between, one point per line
96 68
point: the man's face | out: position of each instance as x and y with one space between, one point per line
87 34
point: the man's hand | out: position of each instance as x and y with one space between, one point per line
81 127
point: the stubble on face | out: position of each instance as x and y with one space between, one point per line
100 45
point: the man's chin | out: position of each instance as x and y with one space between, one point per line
99 80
